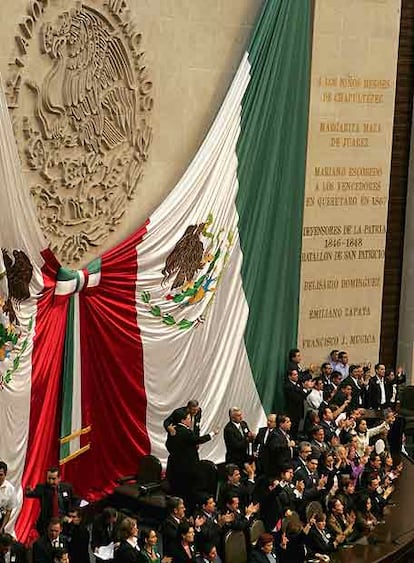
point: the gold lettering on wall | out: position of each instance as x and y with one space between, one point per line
347 177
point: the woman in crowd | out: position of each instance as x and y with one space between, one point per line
149 551
346 492
364 434
128 550
184 551
263 550
339 522
328 469
293 539
319 539
365 520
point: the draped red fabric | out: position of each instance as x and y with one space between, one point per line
113 393
48 346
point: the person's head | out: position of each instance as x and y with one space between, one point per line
232 502
53 476
336 377
293 375
209 552
390 375
186 532
336 507
318 433
149 537
305 449
286 473
312 463
235 414
326 369
318 383
379 370
307 382
6 542
233 473
363 503
356 371
334 355
75 516
265 543
347 390
209 504
343 357
347 485
375 461
193 407
386 459
271 421
294 355
320 520
54 528
373 482
326 414
182 416
3 471
128 528
283 422
176 507
60 555
109 515
328 458
361 426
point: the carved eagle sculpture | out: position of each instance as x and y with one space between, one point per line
19 274
91 84
186 258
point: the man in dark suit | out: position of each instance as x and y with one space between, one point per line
261 445
183 458
194 410
77 536
377 389
17 552
281 446
56 498
238 439
169 527
294 363
105 527
356 380
235 486
295 395
43 548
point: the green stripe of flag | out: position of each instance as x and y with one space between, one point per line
271 172
68 374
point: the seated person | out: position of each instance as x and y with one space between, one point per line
320 540
43 548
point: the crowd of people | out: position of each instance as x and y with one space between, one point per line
319 476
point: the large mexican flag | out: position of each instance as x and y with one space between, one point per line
200 302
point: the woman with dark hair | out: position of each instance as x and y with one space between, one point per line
149 551
263 550
365 520
293 538
184 552
319 539
128 550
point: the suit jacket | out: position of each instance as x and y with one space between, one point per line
280 452
180 555
172 417
294 400
44 493
210 532
329 429
77 537
358 393
257 556
127 554
374 394
183 458
43 549
169 532
318 542
101 534
19 552
244 491
236 443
